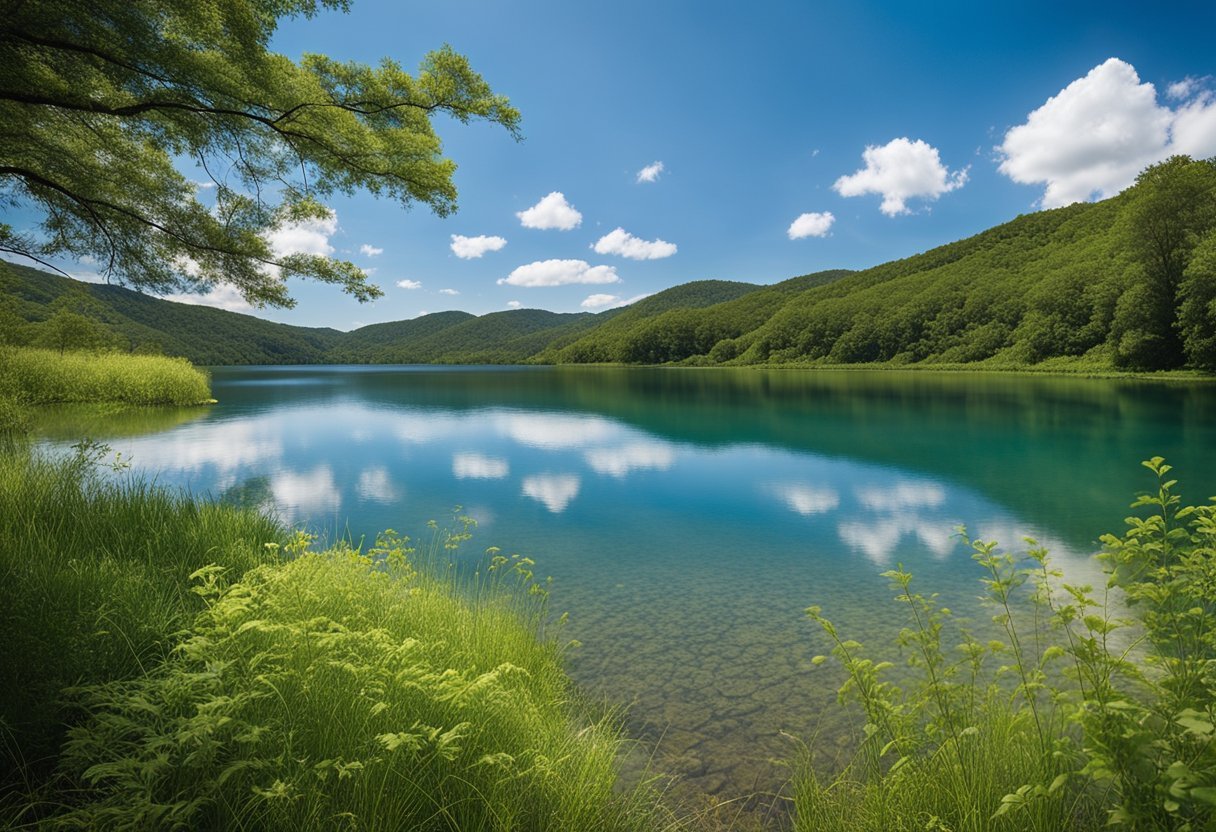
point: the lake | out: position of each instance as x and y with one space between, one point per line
689 516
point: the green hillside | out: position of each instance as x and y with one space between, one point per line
1129 282
200 333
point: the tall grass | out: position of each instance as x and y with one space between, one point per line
95 583
1076 718
37 376
211 672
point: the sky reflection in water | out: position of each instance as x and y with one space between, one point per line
689 519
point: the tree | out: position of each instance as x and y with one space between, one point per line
1173 206
75 324
1197 315
98 100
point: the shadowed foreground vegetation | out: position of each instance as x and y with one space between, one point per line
208 671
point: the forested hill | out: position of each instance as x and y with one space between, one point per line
1127 282
34 304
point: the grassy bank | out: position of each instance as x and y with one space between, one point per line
39 377
206 671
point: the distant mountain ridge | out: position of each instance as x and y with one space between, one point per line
1073 287
210 336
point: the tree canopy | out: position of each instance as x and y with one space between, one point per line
98 101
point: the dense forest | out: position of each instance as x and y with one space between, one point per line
1127 283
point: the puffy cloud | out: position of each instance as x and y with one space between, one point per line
635 456
514 304
900 170
650 173
599 301
808 499
375 485
469 248
551 212
811 225
448 292
554 490
370 250
602 301
478 467
1194 128
1182 89
560 273
221 297
409 284
625 244
309 236
1095 135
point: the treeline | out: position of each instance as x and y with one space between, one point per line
1126 283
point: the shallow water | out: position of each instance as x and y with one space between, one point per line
689 516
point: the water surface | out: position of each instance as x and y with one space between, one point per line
689 516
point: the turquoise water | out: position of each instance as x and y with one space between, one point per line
689 516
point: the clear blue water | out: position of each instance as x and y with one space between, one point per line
689 516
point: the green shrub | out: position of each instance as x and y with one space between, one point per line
37 376
349 689
1075 718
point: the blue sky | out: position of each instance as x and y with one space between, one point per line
759 114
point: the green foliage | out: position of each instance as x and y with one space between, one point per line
36 376
97 99
95 584
1090 718
1171 208
210 671
349 685
1197 314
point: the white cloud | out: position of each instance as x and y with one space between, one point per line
478 467
599 301
307 237
409 284
370 250
208 185
811 225
554 490
469 248
650 173
635 456
900 170
808 499
625 244
1095 135
551 212
376 486
1182 89
221 297
1194 128
514 304
448 292
560 273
